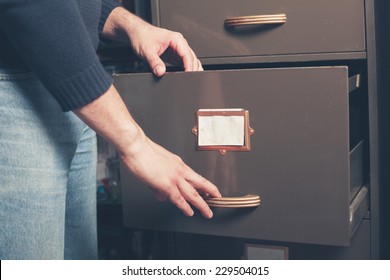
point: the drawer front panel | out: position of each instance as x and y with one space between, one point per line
312 26
298 163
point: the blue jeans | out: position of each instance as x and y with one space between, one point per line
47 175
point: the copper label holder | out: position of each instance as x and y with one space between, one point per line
223 149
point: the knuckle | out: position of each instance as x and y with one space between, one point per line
176 197
194 193
178 35
203 180
181 166
178 159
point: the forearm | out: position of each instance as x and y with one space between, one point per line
109 117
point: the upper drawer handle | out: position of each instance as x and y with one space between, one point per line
232 22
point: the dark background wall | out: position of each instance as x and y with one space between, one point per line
383 36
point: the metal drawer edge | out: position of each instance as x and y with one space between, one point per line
358 209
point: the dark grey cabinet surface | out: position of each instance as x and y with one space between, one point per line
310 86
300 162
310 27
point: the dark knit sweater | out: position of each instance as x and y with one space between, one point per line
57 40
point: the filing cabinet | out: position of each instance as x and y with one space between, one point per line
305 73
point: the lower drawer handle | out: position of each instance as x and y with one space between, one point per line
232 22
234 202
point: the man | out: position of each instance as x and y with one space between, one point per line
53 89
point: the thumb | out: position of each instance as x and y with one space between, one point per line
157 65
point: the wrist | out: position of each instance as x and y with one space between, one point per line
123 22
133 144
109 117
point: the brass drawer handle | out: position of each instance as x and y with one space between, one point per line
234 202
232 22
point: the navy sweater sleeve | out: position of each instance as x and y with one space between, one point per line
107 7
53 40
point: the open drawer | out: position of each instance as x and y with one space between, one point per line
299 162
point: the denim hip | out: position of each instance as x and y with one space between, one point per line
47 175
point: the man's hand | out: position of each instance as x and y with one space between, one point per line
163 171
169 177
150 42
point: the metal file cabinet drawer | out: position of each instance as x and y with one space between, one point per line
311 26
300 160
